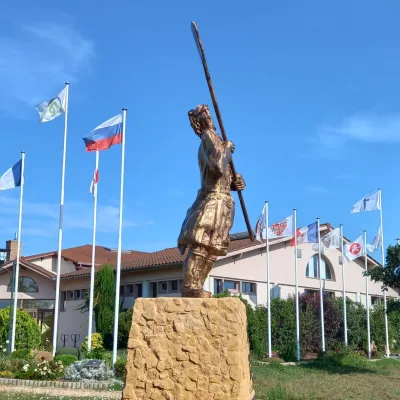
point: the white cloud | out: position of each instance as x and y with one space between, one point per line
37 59
41 218
361 128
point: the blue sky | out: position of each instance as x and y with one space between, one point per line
308 93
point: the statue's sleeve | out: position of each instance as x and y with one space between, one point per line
216 156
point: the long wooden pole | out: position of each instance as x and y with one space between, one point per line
221 124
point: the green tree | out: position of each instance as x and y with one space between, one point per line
103 303
389 275
27 333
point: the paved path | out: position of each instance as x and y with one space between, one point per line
95 394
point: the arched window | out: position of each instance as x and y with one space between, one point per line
26 285
312 268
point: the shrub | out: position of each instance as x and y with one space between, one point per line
27 335
78 372
45 370
124 328
95 355
6 374
69 350
43 356
66 359
22 354
97 342
120 368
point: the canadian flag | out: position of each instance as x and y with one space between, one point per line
93 184
355 249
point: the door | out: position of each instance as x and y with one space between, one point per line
45 319
154 291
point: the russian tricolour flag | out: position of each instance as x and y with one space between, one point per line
105 135
12 177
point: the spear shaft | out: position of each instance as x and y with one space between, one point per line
220 123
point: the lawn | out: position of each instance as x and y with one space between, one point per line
324 380
347 379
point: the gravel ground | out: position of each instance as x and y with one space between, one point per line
92 394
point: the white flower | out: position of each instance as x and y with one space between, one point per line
44 369
4 350
7 341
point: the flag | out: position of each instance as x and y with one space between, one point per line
376 243
260 226
93 184
281 229
12 177
330 241
371 202
105 135
307 234
53 108
354 249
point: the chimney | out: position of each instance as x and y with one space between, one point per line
11 247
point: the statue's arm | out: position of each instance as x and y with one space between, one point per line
217 154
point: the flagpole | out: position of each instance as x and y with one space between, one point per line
296 286
367 294
268 283
92 271
344 287
383 266
60 225
118 271
16 275
321 292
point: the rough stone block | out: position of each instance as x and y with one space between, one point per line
187 348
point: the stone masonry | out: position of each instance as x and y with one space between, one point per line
188 348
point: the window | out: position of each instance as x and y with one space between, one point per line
312 268
26 285
63 301
375 300
231 285
218 288
70 295
174 286
77 294
163 287
329 294
248 287
139 290
122 291
130 290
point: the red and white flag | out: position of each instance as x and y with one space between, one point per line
355 249
281 229
93 184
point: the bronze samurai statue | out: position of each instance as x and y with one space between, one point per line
205 230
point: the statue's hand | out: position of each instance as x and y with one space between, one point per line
229 146
239 184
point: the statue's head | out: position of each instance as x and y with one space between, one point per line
200 119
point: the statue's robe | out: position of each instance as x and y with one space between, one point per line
210 218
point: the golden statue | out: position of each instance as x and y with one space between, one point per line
205 230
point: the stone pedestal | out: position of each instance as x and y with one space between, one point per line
186 349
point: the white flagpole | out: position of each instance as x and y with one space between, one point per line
60 225
296 286
321 292
16 275
268 283
367 294
344 286
92 271
118 271
383 266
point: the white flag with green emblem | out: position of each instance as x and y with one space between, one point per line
53 108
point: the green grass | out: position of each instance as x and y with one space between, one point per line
353 379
